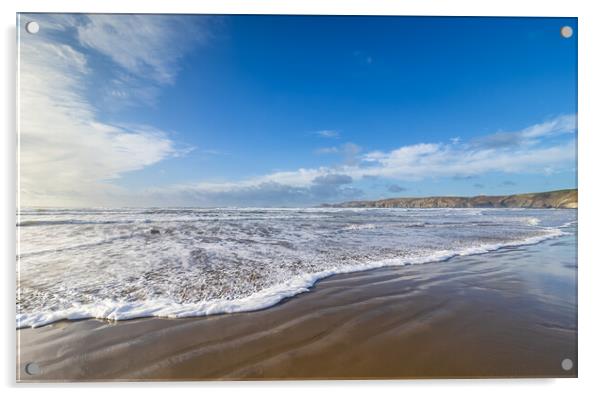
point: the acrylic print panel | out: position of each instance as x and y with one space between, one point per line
296 197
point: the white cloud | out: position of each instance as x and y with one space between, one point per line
67 156
564 124
327 150
407 163
349 151
146 50
421 161
328 133
556 126
148 45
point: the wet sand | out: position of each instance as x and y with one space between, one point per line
509 313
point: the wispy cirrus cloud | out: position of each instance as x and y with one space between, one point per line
565 124
144 45
145 50
328 133
327 150
432 160
68 156
349 151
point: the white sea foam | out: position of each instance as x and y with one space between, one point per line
222 261
533 221
352 227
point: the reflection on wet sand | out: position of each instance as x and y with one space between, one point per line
509 313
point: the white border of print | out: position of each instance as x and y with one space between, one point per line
590 260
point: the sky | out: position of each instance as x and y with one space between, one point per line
281 111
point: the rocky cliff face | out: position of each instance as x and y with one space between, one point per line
564 199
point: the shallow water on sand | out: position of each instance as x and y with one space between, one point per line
507 313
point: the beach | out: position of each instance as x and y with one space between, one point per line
507 313
204 197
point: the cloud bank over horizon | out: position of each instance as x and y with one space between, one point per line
533 154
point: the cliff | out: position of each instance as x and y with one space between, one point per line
564 199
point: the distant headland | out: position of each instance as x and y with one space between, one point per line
559 199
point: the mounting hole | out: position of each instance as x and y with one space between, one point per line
32 27
566 364
32 368
566 32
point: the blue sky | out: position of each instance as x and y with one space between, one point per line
292 110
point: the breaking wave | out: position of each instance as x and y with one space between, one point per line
173 263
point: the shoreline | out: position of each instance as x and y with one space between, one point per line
487 315
300 285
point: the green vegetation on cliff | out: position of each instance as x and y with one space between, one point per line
565 199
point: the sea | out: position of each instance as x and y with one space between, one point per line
118 264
